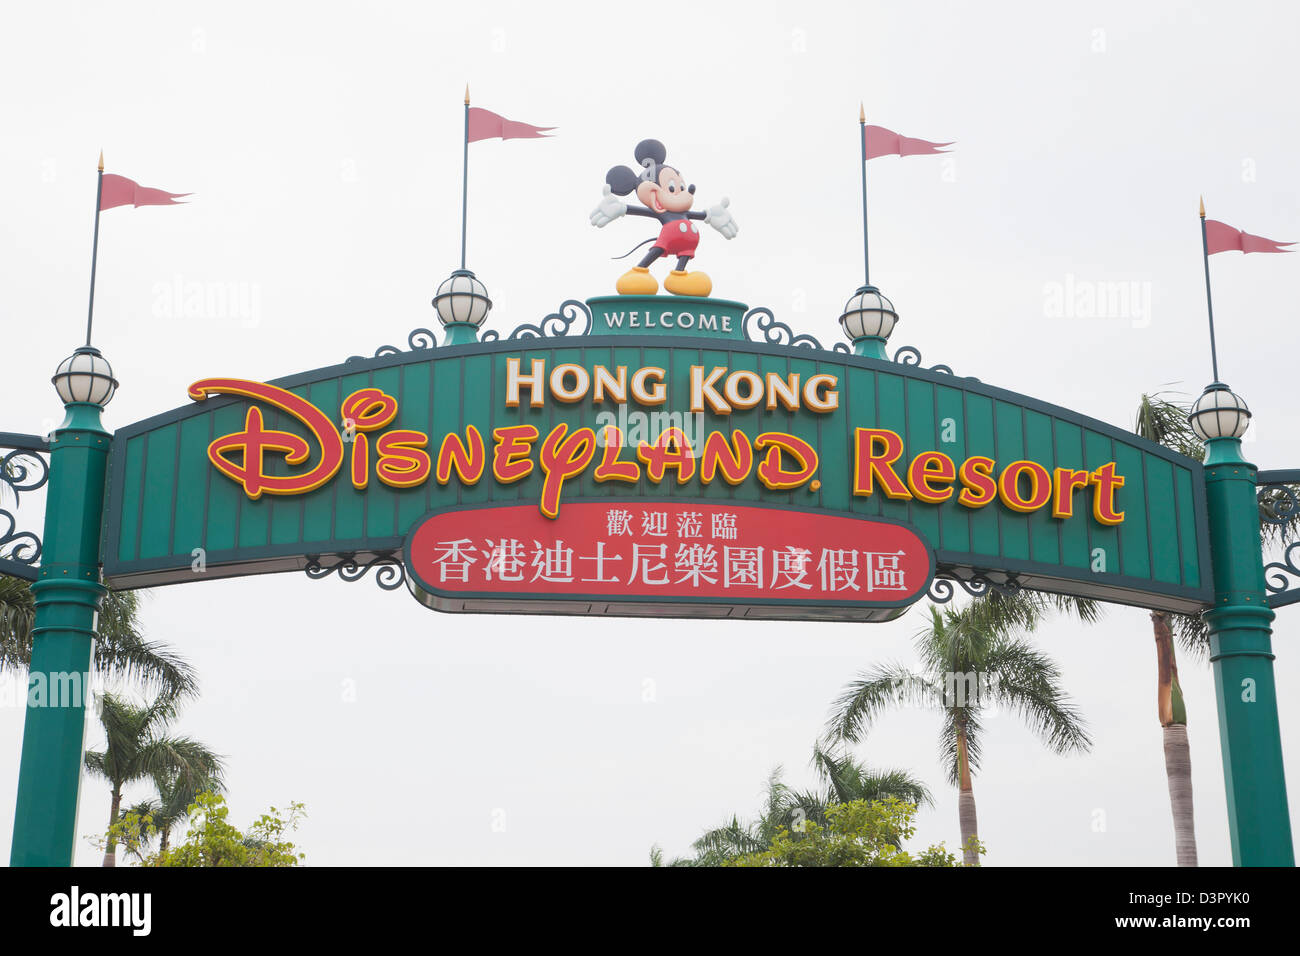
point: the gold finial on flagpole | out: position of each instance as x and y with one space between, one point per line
101 160
862 113
467 94
1202 207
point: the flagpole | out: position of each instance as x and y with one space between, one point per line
1209 301
94 253
464 182
866 259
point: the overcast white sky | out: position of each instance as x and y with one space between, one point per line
323 145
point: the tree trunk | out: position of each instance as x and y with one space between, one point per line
110 848
164 841
1164 667
1178 767
1178 756
966 805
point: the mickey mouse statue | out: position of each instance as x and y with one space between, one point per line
668 199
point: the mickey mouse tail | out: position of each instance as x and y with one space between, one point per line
634 249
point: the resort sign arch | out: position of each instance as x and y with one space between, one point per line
661 470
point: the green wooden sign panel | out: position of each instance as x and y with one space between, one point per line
667 315
174 517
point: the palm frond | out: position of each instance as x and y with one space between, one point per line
1162 418
97 764
848 779
17 615
183 757
1029 683
864 699
121 650
1192 634
730 839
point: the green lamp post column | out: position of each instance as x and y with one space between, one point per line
1241 640
868 320
68 593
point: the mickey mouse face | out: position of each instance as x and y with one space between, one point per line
669 194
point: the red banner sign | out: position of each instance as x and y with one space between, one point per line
668 557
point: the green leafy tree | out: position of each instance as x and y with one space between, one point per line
213 841
170 806
121 651
1163 420
843 778
972 659
857 833
138 748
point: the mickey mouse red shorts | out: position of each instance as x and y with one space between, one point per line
679 238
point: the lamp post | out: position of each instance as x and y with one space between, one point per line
1241 650
868 320
67 597
462 305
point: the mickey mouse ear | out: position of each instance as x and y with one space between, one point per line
650 149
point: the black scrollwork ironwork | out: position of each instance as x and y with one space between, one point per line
417 341
390 573
941 590
21 547
1278 575
556 325
975 583
910 355
1279 505
1279 496
23 469
760 325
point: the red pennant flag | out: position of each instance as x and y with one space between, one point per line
120 191
1220 237
484 124
884 142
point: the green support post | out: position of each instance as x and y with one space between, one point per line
1242 657
460 333
871 346
68 595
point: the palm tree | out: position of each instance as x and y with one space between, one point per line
844 779
121 650
138 748
734 838
976 643
170 808
1165 422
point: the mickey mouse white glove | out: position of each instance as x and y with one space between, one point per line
720 218
610 208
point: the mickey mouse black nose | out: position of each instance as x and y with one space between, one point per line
691 189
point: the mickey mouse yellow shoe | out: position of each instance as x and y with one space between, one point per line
637 281
688 283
